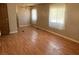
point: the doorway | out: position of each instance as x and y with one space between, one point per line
23 16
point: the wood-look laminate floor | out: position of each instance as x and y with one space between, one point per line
33 41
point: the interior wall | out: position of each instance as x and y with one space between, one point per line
71 20
23 14
12 17
72 23
42 13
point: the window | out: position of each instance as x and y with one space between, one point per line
57 16
34 16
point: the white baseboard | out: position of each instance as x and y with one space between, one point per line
57 34
23 25
13 32
17 31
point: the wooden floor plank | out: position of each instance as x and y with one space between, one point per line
32 41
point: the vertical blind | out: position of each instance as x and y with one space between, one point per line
57 16
34 16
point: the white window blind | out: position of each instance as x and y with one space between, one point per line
57 16
34 16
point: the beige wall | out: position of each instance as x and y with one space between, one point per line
43 12
12 17
71 20
72 23
23 14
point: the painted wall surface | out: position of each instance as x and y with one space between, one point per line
23 14
71 20
72 23
42 13
12 17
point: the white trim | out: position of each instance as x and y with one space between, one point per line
13 32
24 25
57 34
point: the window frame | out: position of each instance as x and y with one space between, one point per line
33 21
61 27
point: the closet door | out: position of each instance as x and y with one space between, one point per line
4 23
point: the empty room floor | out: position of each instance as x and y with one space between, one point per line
30 40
